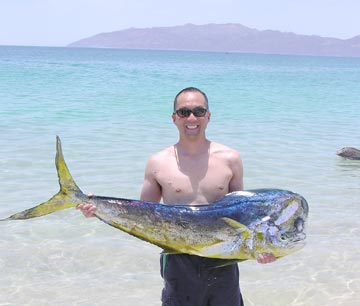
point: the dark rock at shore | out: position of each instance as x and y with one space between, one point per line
349 153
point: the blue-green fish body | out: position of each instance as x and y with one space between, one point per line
239 226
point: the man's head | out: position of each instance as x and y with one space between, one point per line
191 114
191 89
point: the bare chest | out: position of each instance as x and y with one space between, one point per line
194 181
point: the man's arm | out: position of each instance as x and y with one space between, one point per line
236 182
151 190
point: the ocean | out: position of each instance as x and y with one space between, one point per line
286 115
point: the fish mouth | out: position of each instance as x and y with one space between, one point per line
293 244
297 244
293 238
298 240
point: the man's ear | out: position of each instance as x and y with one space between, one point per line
209 115
173 116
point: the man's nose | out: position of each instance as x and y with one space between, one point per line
192 117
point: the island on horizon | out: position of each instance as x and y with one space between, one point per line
222 38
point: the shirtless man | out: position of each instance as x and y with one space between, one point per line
193 171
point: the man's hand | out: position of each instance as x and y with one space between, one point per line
265 258
87 209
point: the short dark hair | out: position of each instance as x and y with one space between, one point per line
191 89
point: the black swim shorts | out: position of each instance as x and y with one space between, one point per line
192 281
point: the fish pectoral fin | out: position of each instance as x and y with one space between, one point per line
245 231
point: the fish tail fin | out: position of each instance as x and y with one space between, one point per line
69 195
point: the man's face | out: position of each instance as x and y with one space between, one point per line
191 126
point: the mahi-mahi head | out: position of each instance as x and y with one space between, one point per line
237 227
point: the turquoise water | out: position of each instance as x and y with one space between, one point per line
286 115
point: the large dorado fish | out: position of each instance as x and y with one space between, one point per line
237 227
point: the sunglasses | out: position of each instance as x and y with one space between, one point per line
185 112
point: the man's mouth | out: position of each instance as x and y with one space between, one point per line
191 127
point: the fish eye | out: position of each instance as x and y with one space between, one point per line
283 237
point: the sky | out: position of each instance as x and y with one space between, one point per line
60 22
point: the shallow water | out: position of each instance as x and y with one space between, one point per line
286 115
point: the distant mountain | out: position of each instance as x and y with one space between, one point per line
222 38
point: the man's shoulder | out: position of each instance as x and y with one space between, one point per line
160 155
219 148
226 154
